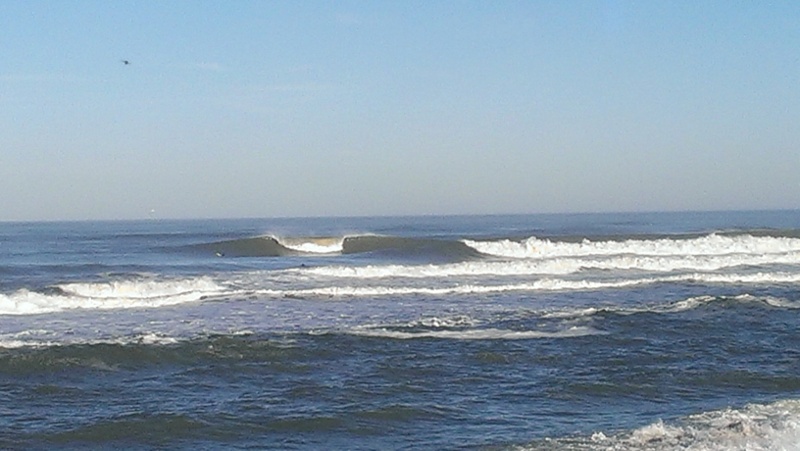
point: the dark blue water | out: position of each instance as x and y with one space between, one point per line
618 331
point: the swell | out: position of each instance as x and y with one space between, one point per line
271 246
114 357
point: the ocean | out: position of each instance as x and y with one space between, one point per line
637 331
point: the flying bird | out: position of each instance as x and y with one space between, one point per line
125 62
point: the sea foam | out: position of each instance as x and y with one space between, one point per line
561 265
713 244
474 334
312 245
543 284
108 295
756 427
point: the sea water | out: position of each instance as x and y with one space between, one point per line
658 331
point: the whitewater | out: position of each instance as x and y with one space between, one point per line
651 331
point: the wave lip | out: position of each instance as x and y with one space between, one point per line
312 245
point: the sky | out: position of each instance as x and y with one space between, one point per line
340 108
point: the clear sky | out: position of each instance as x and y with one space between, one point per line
318 108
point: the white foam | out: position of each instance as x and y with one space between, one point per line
479 268
109 295
140 289
543 284
313 245
756 427
539 285
16 344
757 278
559 266
436 322
770 427
707 245
21 341
473 334
151 339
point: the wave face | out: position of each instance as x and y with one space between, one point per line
574 332
273 246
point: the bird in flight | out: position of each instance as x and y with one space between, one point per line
125 62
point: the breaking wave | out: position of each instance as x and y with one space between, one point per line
755 427
708 245
275 246
109 295
559 266
126 294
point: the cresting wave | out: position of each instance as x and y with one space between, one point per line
708 245
705 246
275 246
109 295
546 284
559 266
756 427
153 294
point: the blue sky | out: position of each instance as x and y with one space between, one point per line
317 108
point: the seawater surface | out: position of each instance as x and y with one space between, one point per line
657 331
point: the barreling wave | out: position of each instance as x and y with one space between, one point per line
274 246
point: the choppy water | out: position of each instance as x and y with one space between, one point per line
566 332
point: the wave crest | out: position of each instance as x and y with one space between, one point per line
109 295
708 245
